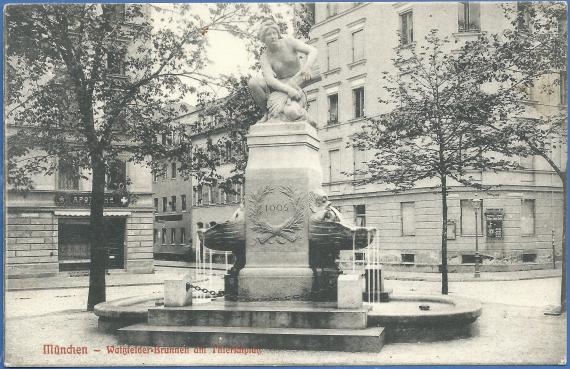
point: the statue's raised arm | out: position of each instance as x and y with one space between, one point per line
279 92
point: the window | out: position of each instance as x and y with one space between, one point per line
468 259
408 258
163 236
223 196
164 204
117 176
529 258
183 202
469 17
206 195
173 170
67 176
173 203
154 236
360 215
172 236
156 204
359 163
214 194
182 236
198 195
408 211
332 10
468 218
332 55
358 45
167 139
406 28
334 165
333 109
358 99
563 87
164 171
527 217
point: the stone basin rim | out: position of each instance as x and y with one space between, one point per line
462 311
123 307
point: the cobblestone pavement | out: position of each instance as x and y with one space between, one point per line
512 330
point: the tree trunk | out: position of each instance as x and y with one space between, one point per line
563 282
97 267
444 281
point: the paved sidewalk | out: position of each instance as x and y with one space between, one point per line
469 277
177 269
113 279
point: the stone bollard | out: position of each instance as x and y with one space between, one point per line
349 291
175 294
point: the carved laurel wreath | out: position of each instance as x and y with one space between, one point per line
286 231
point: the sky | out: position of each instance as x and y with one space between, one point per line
227 53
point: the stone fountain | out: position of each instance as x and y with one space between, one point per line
288 293
285 290
285 280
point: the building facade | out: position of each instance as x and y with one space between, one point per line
47 228
172 195
520 222
181 204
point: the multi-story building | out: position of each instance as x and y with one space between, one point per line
47 229
521 220
181 205
172 204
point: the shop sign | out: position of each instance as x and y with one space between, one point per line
494 223
168 218
78 199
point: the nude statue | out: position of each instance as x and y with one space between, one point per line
279 92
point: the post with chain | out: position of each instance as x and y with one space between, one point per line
214 294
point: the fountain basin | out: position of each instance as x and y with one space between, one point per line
129 310
404 320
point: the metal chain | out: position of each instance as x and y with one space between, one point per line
255 299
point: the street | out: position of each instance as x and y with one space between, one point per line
511 330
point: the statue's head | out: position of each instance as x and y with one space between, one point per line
265 27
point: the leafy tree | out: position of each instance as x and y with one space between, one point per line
532 56
91 83
437 125
224 123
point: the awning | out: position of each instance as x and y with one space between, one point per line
86 213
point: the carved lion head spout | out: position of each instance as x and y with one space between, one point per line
321 207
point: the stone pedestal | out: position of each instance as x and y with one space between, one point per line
349 291
175 293
283 167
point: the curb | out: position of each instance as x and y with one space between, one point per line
429 277
469 279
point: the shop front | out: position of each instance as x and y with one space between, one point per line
73 243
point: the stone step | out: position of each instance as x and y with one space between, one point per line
251 315
348 340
